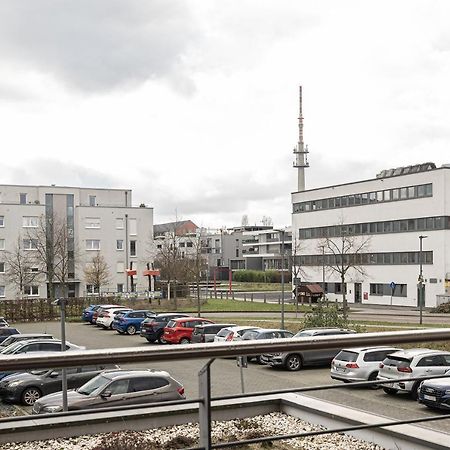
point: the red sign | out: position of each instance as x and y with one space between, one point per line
131 272
148 273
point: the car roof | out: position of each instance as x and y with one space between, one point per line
178 319
30 335
242 327
127 373
367 349
140 310
412 352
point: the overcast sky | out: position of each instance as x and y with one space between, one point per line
194 104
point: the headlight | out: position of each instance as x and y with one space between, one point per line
12 384
52 409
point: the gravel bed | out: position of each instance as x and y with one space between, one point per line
184 436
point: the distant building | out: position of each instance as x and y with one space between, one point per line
396 210
99 221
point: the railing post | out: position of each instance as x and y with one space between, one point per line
265 297
245 297
251 297
204 409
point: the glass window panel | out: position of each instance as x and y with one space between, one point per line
438 223
395 194
387 196
403 193
421 191
337 202
412 224
365 198
379 196
387 257
357 199
428 190
421 224
344 201
388 226
380 227
412 192
403 225
331 203
429 223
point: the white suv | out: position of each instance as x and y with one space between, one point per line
106 317
232 333
412 363
359 364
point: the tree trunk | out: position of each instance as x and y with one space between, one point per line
344 297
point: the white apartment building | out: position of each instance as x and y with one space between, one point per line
99 221
390 211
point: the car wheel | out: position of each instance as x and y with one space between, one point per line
161 339
293 363
415 391
373 377
390 391
30 395
185 341
131 329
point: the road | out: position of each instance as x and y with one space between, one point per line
225 375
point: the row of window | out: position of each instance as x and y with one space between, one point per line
400 290
365 259
388 226
387 195
31 291
90 222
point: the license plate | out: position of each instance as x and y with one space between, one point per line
339 369
429 397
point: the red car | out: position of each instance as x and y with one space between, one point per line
179 331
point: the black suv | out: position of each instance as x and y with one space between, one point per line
296 360
152 328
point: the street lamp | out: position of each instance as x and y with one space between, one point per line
420 284
282 276
61 302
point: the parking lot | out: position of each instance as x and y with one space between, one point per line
225 375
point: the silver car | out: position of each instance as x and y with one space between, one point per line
359 364
411 363
115 388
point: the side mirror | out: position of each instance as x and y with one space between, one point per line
106 394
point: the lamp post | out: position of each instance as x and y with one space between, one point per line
420 284
61 302
282 276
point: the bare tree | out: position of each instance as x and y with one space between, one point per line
343 252
297 270
244 220
97 272
54 253
267 221
19 268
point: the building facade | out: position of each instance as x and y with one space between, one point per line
401 219
97 222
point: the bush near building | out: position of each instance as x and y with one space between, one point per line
259 276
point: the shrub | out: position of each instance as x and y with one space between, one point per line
325 315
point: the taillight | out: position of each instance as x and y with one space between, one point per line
230 336
181 390
381 365
106 315
404 369
352 365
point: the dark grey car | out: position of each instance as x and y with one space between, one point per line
115 388
296 360
207 331
30 386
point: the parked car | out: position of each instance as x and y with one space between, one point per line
35 346
264 333
152 328
88 312
5 332
359 364
105 318
27 387
99 308
207 332
3 322
435 393
130 322
115 388
296 360
411 363
179 331
23 337
232 333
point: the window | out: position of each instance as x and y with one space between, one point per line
119 223
29 222
23 198
181 245
2 221
30 244
132 227
32 291
132 248
2 267
92 244
189 244
92 222
120 287
91 289
2 244
92 200
2 291
119 244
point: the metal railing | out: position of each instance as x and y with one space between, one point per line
230 349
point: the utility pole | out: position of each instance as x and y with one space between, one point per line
420 283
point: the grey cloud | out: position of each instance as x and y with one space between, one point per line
49 171
13 93
97 45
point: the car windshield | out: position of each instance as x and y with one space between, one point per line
396 362
94 384
304 334
8 341
171 324
12 348
39 371
347 356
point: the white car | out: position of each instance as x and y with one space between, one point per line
232 333
106 317
411 363
359 364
